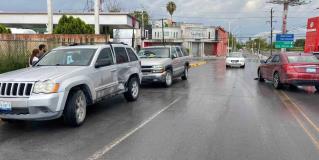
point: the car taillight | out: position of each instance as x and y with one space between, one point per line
289 68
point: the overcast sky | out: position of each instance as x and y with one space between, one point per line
247 17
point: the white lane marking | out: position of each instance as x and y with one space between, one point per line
107 148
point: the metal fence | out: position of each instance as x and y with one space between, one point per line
14 54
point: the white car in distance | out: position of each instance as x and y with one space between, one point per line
235 59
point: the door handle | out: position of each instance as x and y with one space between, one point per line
113 70
129 66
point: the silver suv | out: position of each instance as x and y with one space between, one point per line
163 64
68 79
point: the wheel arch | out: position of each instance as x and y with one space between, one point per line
169 67
86 90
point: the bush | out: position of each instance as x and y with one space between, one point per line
71 25
3 29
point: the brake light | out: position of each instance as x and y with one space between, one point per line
289 68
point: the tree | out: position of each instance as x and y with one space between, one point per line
171 8
258 42
139 17
300 43
71 25
3 29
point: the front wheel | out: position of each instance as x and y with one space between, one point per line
133 89
276 81
75 110
185 74
168 79
317 87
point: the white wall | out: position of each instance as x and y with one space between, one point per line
169 33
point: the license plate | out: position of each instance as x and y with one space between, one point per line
5 106
311 70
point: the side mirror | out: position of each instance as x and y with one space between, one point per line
174 56
262 61
103 63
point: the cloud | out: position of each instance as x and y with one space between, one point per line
252 5
249 16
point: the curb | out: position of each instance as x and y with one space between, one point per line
197 64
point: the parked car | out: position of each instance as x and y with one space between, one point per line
296 69
235 59
163 64
67 80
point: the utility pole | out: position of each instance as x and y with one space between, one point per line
142 30
163 39
258 46
286 4
233 39
50 17
228 38
97 16
271 29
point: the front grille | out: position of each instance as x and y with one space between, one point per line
15 89
146 70
148 67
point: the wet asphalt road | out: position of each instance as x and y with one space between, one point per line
217 114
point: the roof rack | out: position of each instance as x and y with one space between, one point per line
116 43
74 44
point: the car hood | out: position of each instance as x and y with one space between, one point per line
42 73
154 61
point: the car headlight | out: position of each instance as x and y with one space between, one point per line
158 69
242 60
46 87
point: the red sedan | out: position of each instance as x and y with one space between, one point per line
290 69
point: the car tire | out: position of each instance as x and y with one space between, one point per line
133 89
260 78
292 87
185 74
243 66
168 78
75 109
276 81
317 88
11 120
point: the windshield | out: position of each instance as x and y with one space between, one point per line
154 53
236 55
302 59
68 57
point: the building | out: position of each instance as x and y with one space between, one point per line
312 35
202 41
108 21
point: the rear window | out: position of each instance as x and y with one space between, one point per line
302 59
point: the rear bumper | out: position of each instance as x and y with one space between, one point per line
302 79
303 82
238 64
